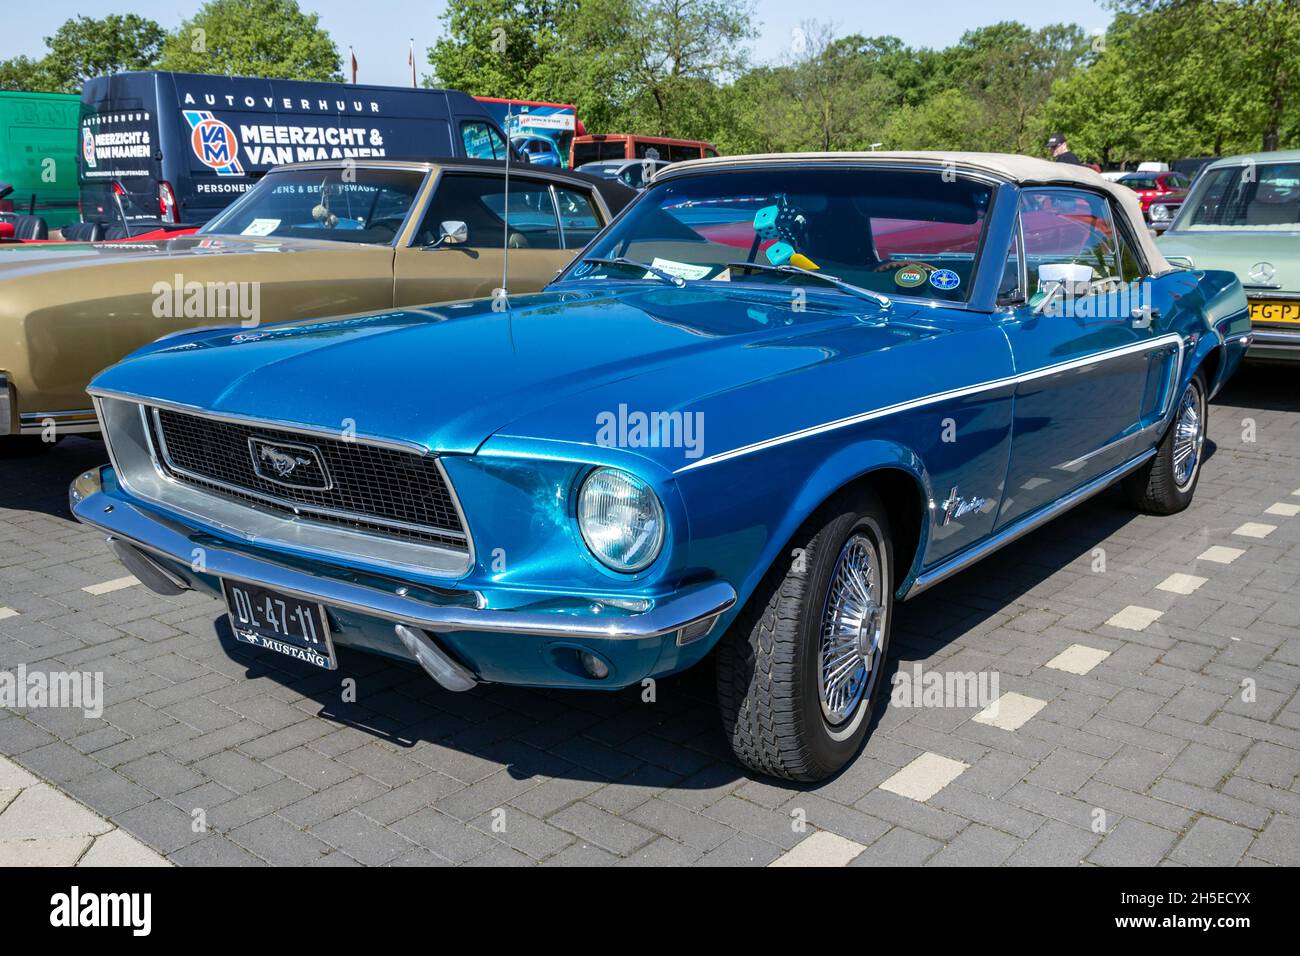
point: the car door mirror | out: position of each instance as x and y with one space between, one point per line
1058 280
1073 277
451 232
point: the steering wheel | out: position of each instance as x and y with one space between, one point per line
391 223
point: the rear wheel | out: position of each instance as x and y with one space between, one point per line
1166 484
800 668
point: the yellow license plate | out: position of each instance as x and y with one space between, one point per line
1275 310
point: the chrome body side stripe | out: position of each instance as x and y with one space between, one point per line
1160 342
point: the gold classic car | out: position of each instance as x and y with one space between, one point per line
313 239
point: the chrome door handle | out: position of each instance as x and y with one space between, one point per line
1143 315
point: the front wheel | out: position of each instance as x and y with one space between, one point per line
800 668
1165 485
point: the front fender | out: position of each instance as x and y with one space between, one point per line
729 537
1227 314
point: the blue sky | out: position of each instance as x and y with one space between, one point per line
379 29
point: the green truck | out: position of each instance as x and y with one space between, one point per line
38 148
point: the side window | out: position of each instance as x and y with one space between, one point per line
481 141
1130 264
1009 288
1068 226
579 216
480 203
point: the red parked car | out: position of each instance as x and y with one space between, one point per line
1160 195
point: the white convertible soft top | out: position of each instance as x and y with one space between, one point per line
1022 170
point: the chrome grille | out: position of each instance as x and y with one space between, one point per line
396 493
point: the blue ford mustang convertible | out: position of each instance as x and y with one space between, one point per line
775 396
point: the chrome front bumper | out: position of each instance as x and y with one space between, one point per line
1275 342
689 613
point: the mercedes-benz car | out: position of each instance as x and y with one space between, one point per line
1243 214
776 396
308 240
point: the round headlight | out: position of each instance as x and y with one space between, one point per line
621 519
1159 213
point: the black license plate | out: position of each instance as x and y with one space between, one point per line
280 623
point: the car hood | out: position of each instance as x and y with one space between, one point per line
1240 252
447 377
40 258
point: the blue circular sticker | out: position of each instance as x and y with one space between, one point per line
944 279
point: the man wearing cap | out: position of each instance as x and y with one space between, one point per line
1060 150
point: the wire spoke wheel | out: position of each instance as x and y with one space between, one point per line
1189 436
852 629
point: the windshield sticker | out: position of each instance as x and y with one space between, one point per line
945 279
261 227
682 270
909 277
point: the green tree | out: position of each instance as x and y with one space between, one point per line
497 47
28 75
84 47
1191 78
265 38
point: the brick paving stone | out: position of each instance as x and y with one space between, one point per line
1212 842
1133 843
898 847
977 845
1055 844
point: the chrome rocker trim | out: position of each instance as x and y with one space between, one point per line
589 618
77 422
1023 526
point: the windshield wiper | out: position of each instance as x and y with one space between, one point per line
671 279
881 300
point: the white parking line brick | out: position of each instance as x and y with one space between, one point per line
820 849
1078 659
1253 529
116 584
1283 509
1220 555
925 776
1135 618
7 612
1010 711
1178 583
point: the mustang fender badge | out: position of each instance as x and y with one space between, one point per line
956 507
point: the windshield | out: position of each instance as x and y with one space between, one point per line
890 231
1246 196
369 207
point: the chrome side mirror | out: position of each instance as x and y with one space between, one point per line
453 232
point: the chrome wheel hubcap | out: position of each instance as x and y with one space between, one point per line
1189 436
852 628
